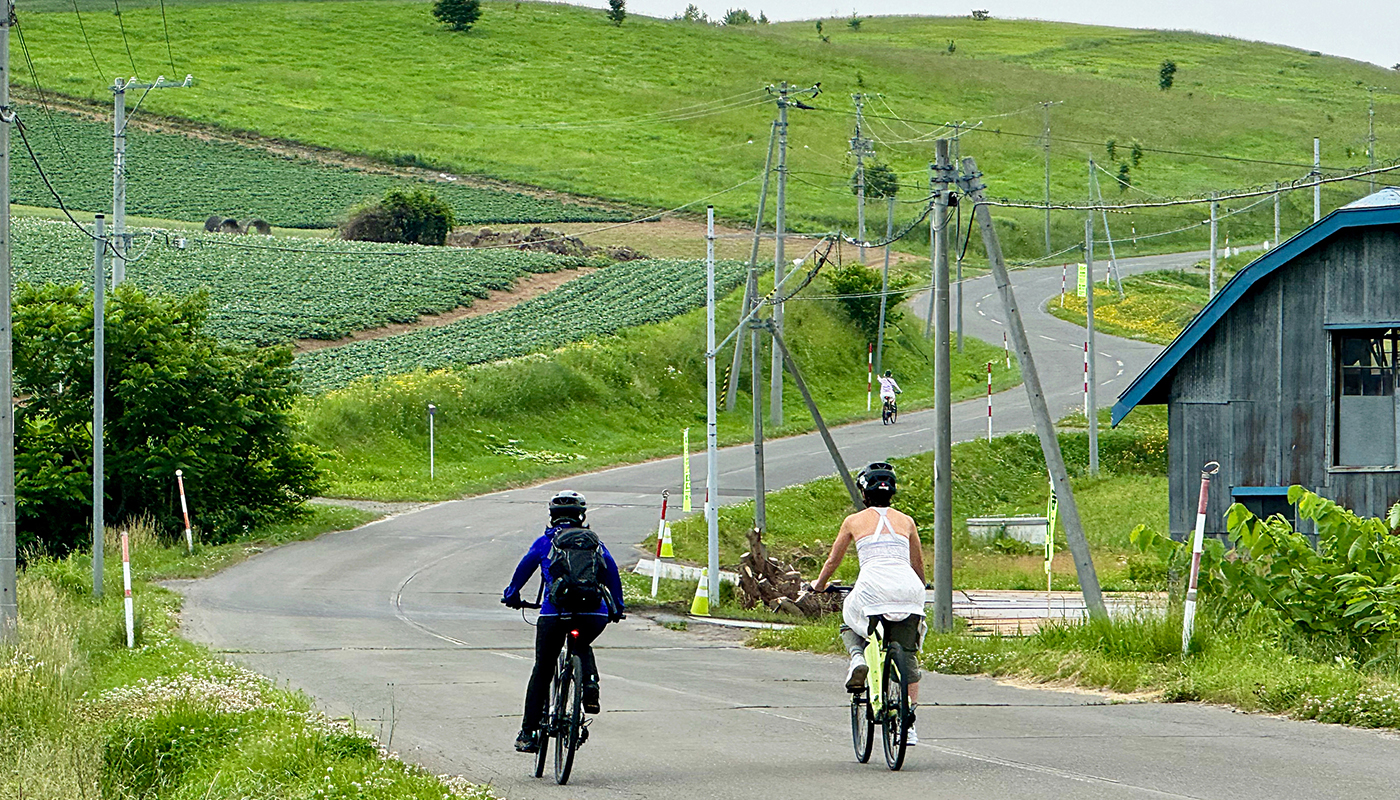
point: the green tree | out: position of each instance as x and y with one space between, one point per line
762 17
1111 146
693 13
880 181
617 11
858 290
416 217
176 399
459 15
738 16
1166 76
854 22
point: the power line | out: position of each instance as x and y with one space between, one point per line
166 24
43 97
83 29
125 41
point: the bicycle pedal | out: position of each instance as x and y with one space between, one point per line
582 736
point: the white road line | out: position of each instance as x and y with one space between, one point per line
979 311
1051 771
1043 336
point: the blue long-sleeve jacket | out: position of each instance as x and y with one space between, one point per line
538 557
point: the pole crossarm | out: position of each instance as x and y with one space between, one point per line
768 299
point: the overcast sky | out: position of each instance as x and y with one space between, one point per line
1366 30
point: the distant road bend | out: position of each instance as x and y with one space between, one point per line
397 623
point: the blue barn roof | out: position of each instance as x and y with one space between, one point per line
1381 208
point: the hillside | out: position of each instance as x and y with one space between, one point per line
661 112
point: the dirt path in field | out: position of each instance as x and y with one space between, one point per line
525 288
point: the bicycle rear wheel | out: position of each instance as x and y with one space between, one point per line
862 726
570 719
898 715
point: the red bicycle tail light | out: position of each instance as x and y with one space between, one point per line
573 634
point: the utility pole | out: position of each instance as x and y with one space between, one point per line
1093 409
1096 194
860 148
1317 176
731 395
943 178
9 602
99 396
711 410
785 93
933 223
1045 113
121 240
1371 132
884 288
974 188
1214 225
1276 228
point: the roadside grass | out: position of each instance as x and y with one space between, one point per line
614 400
1004 477
1156 305
618 130
1245 659
83 716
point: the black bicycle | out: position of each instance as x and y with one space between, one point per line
890 412
564 721
883 701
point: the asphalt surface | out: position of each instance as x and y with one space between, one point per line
397 624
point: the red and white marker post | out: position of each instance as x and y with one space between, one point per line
1188 621
661 540
126 583
185 509
869 374
1006 348
1086 380
989 401
1064 277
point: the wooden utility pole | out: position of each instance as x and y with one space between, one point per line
974 188
943 178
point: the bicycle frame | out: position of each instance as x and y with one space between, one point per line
875 660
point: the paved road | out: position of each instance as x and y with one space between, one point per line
397 624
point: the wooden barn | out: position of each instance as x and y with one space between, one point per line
1289 375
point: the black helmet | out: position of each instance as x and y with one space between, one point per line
889 374
568 503
877 476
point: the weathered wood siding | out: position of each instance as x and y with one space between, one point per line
1255 393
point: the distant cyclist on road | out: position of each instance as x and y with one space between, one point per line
889 387
891 581
582 592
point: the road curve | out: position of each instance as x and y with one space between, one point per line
397 624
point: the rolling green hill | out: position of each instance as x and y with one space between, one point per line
661 112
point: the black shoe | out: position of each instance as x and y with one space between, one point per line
526 743
590 700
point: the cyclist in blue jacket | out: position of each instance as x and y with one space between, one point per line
567 509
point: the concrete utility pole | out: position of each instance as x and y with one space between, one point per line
120 238
943 178
99 397
731 394
1045 112
933 223
1276 228
860 148
884 287
1093 409
711 409
1371 132
1096 194
9 603
1317 175
976 190
1214 226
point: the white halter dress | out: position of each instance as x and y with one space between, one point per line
887 585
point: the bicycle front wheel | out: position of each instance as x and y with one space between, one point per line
898 715
570 720
862 726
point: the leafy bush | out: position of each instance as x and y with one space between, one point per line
1166 76
880 181
617 11
859 290
738 16
176 399
405 217
459 15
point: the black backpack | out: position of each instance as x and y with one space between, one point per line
576 571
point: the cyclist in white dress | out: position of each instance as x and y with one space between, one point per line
891 580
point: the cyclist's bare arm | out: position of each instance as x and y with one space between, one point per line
916 551
838 552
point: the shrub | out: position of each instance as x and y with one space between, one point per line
880 181
854 22
617 11
693 13
738 16
176 399
416 217
458 15
1166 75
859 287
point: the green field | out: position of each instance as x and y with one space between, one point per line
552 95
174 176
623 295
316 288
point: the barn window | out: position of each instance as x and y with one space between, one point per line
1366 408
1265 501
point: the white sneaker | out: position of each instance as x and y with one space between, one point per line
913 736
855 677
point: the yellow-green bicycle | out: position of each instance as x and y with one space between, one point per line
883 701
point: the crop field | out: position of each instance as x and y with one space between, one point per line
599 303
662 112
311 288
174 176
